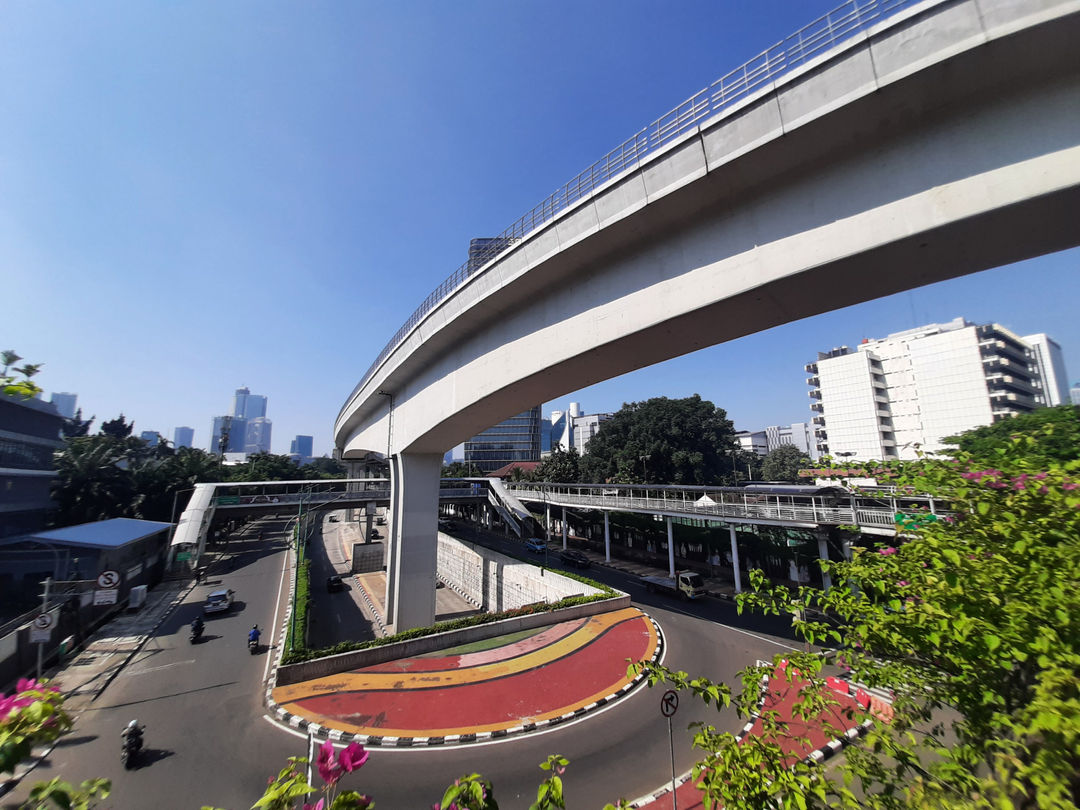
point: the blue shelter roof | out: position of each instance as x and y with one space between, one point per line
112 533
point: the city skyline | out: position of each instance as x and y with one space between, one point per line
119 187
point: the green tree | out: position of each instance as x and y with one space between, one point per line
323 468
970 618
11 386
784 463
1060 443
665 441
458 469
117 428
561 467
76 425
265 467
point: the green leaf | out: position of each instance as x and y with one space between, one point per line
992 642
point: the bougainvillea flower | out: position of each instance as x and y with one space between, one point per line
352 757
319 805
329 769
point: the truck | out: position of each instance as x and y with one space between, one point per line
685 585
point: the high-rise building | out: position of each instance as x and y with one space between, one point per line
65 404
1074 394
183 437
1051 365
570 428
151 437
257 437
301 448
513 439
909 391
247 405
485 248
237 429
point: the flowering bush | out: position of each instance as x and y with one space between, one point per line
33 714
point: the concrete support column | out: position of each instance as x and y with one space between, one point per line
547 525
607 539
369 523
823 554
735 560
670 550
564 528
413 558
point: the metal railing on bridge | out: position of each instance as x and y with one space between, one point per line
732 503
840 24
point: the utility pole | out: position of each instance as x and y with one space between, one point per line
44 609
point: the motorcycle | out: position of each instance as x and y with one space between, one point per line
131 745
196 633
253 645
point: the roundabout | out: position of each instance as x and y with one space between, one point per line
489 689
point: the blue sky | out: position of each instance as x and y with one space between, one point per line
197 196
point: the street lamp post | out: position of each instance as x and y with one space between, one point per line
645 468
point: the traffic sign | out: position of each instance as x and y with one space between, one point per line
669 703
108 579
105 596
41 629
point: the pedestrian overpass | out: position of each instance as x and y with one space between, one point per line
888 145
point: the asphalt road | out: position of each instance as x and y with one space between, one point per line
209 742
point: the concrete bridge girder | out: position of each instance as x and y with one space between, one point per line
907 156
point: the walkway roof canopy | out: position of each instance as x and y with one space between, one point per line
113 533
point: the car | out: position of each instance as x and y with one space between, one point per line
334 583
536 545
219 601
574 558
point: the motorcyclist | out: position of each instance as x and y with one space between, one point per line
197 626
133 734
254 633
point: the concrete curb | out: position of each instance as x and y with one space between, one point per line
371 605
819 755
286 718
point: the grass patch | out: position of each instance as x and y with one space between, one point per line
297 655
297 636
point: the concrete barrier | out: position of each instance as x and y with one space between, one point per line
343 662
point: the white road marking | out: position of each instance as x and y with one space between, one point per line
155 669
274 624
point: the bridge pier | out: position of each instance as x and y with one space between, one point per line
607 538
670 550
735 559
413 558
564 528
823 554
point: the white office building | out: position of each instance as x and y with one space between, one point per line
763 442
894 396
570 428
1051 364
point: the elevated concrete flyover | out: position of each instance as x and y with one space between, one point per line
939 141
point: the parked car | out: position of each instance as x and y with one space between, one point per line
334 583
574 558
536 545
219 601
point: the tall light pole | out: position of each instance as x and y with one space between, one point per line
645 468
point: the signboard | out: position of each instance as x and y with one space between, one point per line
41 629
108 579
228 500
183 555
669 703
105 596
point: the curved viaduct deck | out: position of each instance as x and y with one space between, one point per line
942 141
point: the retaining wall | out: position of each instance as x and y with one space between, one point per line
333 664
494 582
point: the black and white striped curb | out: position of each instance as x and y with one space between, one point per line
371 605
271 679
376 741
823 753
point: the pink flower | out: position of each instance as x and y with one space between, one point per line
317 806
1069 485
1043 490
887 550
329 770
1040 476
902 583
352 757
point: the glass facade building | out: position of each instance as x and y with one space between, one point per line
513 439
